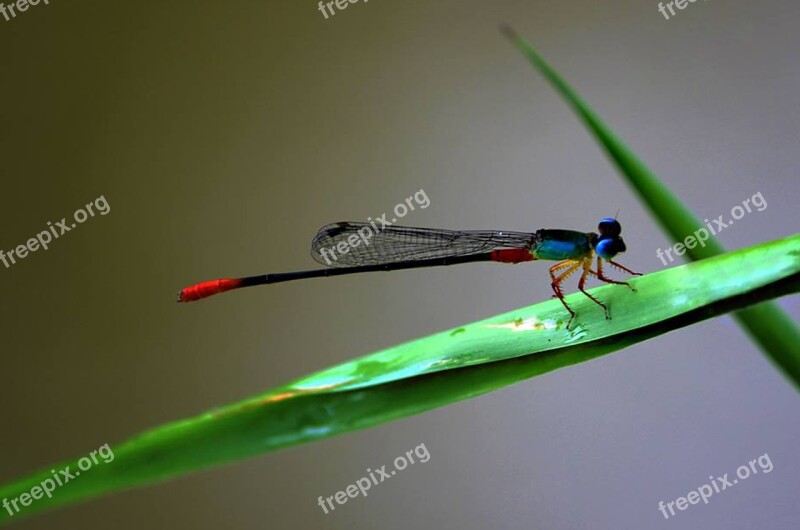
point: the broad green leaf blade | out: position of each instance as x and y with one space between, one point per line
434 371
768 325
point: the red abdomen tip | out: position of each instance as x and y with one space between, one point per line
206 289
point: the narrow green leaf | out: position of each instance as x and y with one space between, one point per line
768 326
443 368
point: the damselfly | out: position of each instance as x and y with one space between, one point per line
348 248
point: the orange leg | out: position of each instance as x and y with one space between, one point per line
623 268
603 278
587 269
571 267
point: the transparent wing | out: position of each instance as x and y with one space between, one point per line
363 245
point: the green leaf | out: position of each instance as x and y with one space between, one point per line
443 368
768 326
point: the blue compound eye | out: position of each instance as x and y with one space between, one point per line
609 227
608 248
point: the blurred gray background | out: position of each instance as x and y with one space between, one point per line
223 134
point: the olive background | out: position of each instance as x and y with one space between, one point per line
223 134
